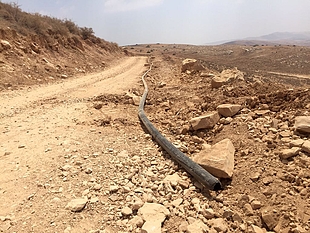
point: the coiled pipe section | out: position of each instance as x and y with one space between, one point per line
199 173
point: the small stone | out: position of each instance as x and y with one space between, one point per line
177 202
304 192
67 167
195 200
242 227
76 205
97 105
226 121
183 226
256 205
228 213
297 143
97 187
114 188
255 176
248 210
137 204
136 221
94 200
267 180
88 171
184 183
237 217
126 211
285 134
68 230
256 229
172 179
85 192
264 107
48 149
208 213
218 224
5 45
269 218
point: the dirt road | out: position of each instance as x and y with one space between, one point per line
44 127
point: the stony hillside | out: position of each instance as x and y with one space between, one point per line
36 49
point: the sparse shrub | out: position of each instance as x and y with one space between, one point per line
86 32
72 27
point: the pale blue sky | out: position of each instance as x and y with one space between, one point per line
177 21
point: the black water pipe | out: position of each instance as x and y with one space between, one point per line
199 173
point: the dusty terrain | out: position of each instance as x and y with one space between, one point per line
81 138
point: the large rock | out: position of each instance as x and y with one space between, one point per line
218 224
133 99
197 227
191 65
151 227
288 153
218 81
302 124
232 74
269 218
306 146
226 76
219 159
76 205
4 45
206 121
154 212
228 110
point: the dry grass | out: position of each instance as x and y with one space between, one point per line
25 23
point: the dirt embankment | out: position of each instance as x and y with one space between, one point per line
37 49
28 60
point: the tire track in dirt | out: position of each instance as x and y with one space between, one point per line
114 80
32 135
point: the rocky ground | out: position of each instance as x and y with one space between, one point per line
75 162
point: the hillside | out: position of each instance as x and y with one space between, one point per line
37 49
277 38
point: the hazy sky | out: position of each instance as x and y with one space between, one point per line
177 21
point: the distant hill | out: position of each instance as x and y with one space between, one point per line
277 38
